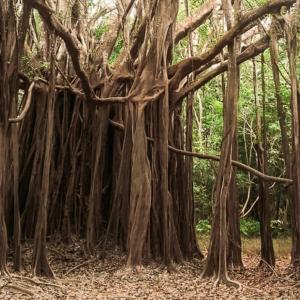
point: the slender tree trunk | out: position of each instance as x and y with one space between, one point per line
282 118
14 131
10 46
189 236
3 232
3 135
280 108
267 250
291 33
216 263
234 255
40 264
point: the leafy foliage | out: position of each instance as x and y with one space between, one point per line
117 50
249 228
100 30
203 227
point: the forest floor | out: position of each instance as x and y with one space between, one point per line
108 278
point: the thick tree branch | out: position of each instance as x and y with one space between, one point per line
183 68
250 52
191 23
71 42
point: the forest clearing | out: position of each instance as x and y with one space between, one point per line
149 149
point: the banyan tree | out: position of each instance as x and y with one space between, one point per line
100 151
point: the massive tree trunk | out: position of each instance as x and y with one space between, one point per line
140 190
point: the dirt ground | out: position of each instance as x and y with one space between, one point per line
108 278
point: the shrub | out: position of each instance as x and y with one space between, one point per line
203 227
249 227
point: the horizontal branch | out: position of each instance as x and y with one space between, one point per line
183 68
234 163
215 158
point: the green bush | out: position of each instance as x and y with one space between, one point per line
249 227
203 227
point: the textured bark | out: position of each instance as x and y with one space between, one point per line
234 256
40 264
140 191
100 124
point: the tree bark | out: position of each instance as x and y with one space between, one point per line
234 256
40 264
